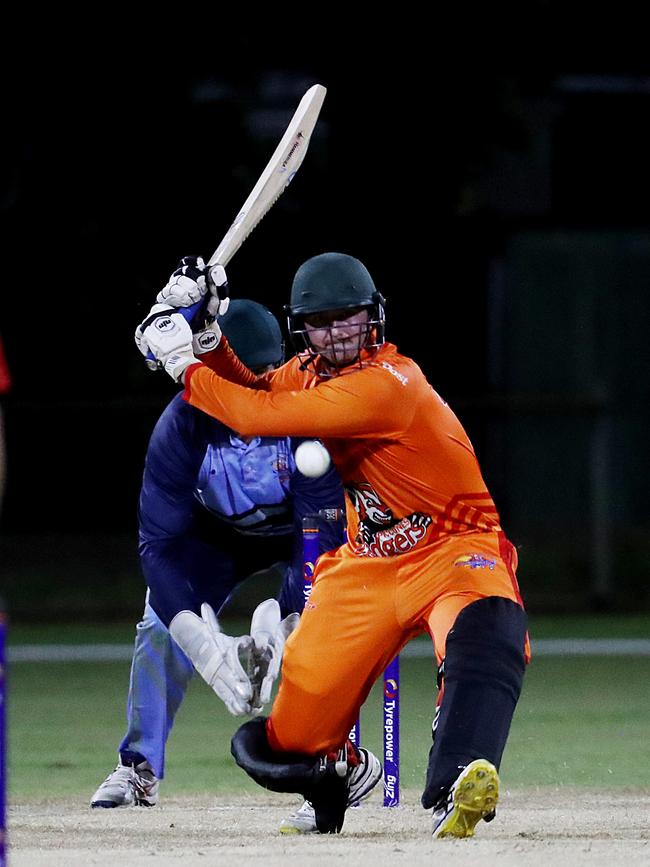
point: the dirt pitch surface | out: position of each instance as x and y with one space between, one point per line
561 827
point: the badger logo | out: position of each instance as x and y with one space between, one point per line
381 534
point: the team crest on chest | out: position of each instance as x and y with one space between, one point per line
381 534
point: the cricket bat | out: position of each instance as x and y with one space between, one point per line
280 169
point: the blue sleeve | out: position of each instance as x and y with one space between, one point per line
309 497
166 506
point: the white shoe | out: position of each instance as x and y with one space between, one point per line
303 821
128 785
363 779
473 797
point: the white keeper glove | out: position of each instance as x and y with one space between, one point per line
191 281
167 336
269 635
215 656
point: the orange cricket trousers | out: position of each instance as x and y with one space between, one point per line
361 612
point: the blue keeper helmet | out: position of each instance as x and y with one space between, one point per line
254 334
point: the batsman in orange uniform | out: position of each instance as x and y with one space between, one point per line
425 550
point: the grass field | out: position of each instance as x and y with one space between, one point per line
581 721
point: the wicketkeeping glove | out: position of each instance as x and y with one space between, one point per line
215 656
269 634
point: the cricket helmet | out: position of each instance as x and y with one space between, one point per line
334 281
254 334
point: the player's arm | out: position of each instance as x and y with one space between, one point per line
173 459
165 509
187 295
225 363
364 402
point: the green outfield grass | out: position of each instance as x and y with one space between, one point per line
541 626
581 721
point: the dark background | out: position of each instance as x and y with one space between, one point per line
499 198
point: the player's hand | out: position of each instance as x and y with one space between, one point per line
207 339
187 284
168 338
269 635
219 300
192 281
215 656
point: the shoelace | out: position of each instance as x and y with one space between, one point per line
123 772
338 760
128 774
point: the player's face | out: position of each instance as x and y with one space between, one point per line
338 335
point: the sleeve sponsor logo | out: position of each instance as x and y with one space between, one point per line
395 372
475 561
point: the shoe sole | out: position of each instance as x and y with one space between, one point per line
292 829
476 792
111 805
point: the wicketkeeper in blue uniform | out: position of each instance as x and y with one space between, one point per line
214 508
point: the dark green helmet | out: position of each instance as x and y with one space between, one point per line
254 334
334 282
331 281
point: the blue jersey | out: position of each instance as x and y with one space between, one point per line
211 501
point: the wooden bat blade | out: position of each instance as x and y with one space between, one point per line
279 171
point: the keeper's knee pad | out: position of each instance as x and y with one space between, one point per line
483 674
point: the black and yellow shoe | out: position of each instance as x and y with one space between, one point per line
472 797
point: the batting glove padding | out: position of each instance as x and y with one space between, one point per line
215 656
187 285
269 634
219 292
191 281
168 337
207 339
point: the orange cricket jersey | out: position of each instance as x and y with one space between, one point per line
408 467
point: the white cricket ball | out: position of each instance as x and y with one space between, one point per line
312 459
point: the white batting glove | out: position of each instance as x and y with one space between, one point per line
168 337
191 281
187 284
215 656
269 635
219 300
208 339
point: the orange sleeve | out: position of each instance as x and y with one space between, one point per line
346 405
227 365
